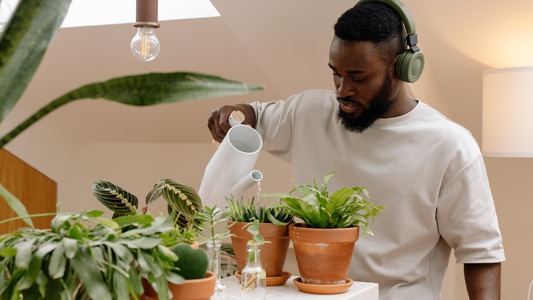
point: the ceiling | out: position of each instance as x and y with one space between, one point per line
277 43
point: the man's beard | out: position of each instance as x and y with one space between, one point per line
379 105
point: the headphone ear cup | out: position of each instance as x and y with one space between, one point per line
410 65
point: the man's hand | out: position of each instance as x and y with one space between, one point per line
483 281
218 121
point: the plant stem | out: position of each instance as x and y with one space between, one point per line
31 216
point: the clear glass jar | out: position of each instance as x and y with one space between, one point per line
221 290
253 277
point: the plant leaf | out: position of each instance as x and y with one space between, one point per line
144 90
58 262
135 280
182 198
15 205
23 256
23 44
115 198
143 243
120 286
89 274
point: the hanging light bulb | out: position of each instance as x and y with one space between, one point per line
145 46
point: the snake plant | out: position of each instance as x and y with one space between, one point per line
23 43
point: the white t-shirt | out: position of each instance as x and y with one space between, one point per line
427 169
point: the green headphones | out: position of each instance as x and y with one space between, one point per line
410 64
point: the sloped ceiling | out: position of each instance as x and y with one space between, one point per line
277 43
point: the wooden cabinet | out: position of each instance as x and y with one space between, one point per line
34 189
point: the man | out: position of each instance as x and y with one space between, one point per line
428 170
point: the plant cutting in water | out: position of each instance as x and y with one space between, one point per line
318 209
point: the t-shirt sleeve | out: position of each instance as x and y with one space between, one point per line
466 216
275 124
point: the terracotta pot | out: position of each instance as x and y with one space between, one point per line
273 254
323 255
193 289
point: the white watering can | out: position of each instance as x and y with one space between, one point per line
230 170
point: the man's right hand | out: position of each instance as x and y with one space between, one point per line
218 122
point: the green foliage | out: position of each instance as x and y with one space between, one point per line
115 198
318 209
16 205
251 211
206 220
193 263
178 235
181 199
32 26
253 214
77 261
144 90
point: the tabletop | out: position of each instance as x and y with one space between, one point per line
289 291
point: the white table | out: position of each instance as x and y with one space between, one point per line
289 291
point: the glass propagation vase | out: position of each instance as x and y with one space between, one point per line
221 290
253 277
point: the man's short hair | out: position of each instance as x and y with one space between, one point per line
375 22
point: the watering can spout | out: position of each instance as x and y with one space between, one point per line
245 183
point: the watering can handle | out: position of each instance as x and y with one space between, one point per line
235 118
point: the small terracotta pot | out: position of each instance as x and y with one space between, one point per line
273 254
192 289
323 255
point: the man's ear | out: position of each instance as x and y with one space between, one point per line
392 67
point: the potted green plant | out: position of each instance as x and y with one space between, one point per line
184 203
324 243
252 221
192 265
75 259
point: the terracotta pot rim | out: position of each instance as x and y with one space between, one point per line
208 277
267 224
305 226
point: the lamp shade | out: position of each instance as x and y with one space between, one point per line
507 112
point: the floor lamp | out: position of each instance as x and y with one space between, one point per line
507 112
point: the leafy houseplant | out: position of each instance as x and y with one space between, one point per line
268 226
331 227
318 209
75 261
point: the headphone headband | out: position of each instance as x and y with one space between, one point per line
410 62
402 10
